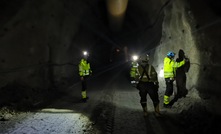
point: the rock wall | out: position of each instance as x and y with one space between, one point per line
41 43
208 40
194 28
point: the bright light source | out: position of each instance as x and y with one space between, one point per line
161 73
134 57
85 53
53 110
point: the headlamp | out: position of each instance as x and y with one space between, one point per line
85 53
134 57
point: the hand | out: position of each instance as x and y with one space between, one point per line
172 79
186 59
156 84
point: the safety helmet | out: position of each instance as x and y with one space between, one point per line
171 54
144 58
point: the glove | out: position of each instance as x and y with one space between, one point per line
138 86
186 59
156 84
172 79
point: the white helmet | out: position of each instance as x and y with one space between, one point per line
144 58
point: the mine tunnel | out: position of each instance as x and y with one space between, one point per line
41 44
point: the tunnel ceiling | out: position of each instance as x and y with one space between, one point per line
137 27
142 25
137 24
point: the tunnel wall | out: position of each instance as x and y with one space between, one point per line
41 44
194 28
208 40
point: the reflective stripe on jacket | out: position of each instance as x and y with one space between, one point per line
84 68
151 72
133 70
170 67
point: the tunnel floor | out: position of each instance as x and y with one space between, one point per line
113 107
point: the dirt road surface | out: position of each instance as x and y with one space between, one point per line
113 108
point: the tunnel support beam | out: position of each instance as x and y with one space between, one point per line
116 12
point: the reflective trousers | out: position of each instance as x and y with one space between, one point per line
169 90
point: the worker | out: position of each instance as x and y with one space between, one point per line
170 67
148 84
181 77
133 70
84 72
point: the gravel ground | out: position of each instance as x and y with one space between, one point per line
113 108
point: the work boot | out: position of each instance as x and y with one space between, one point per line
157 111
167 105
145 111
85 99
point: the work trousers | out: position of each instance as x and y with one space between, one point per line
148 88
181 86
169 87
84 83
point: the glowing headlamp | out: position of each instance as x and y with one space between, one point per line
134 57
85 53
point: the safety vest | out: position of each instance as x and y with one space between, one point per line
147 75
170 67
84 68
133 70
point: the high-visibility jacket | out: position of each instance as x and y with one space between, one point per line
133 70
170 67
84 68
149 75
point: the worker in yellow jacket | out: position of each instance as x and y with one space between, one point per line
84 72
170 67
133 70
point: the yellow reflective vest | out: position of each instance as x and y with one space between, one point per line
133 70
84 68
170 67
